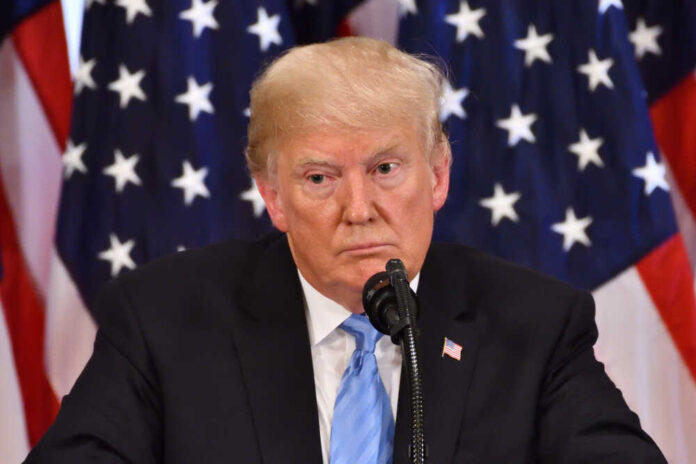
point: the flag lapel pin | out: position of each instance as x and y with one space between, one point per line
451 349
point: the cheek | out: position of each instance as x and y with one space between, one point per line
310 218
418 200
416 224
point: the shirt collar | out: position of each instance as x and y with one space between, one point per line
323 314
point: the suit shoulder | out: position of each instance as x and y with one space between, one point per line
211 272
195 264
493 278
520 307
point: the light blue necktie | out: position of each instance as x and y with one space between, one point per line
362 431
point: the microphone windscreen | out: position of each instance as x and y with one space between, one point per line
378 296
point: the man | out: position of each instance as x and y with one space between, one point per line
255 352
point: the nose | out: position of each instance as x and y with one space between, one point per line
358 202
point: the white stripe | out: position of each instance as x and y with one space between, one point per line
70 330
641 358
30 165
14 443
73 14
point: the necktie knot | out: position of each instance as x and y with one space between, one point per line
366 336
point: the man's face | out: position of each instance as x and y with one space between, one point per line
350 201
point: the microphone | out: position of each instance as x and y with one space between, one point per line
391 306
380 302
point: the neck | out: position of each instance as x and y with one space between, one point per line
350 301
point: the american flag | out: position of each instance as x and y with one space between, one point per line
555 165
35 99
451 349
162 166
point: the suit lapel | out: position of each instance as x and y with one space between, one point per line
446 310
275 355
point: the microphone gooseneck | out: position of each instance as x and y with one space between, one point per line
392 308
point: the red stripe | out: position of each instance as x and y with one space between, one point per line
667 275
40 43
344 28
674 121
24 314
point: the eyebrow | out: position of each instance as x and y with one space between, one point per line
319 162
381 151
307 162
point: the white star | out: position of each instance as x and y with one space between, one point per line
451 102
191 182
123 170
118 255
72 159
201 16
83 75
88 3
644 38
518 125
501 204
466 21
180 248
247 112
196 97
653 174
133 7
534 46
407 6
128 85
252 195
597 71
587 150
266 28
604 5
573 229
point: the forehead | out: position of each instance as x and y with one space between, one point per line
348 145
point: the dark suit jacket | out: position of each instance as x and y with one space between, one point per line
204 357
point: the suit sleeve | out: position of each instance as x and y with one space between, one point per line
583 416
113 412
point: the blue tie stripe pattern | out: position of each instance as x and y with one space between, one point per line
363 426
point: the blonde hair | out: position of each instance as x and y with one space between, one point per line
354 83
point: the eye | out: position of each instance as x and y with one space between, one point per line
316 178
386 168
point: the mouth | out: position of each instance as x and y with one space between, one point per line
366 248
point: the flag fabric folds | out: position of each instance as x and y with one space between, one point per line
35 100
665 38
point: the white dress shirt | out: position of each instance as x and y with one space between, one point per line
332 349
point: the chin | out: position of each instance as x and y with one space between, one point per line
369 267
353 273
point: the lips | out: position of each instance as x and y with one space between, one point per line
366 248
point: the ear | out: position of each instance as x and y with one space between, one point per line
441 173
269 192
